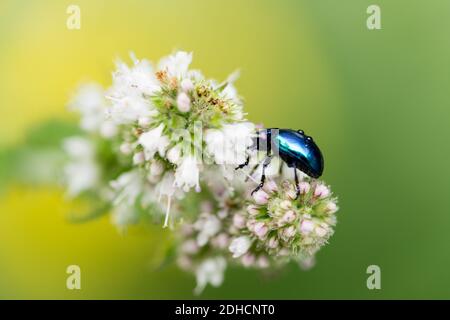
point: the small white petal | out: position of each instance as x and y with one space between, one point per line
183 102
240 246
138 158
187 85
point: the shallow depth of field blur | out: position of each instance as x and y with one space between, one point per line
377 102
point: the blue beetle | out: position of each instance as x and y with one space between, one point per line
295 148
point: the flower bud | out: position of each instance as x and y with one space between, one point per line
126 148
307 263
304 187
238 221
239 246
263 262
291 193
156 168
186 230
174 154
221 241
260 229
321 191
331 207
248 260
184 262
252 209
190 247
260 197
250 225
306 226
108 130
321 232
271 186
206 206
138 158
222 214
144 121
186 85
272 243
289 232
285 204
153 178
289 216
183 102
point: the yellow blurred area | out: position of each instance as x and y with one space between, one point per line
37 244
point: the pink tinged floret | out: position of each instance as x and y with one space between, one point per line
321 232
271 186
331 207
221 241
306 226
289 232
289 216
304 187
248 260
321 191
190 247
252 209
126 148
261 197
238 221
260 229
273 243
187 85
144 121
263 262
138 158
183 102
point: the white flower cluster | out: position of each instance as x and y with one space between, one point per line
170 122
162 139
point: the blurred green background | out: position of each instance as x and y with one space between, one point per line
377 102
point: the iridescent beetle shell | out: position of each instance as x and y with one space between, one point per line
299 151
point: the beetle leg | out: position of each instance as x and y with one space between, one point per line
243 164
297 187
263 175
